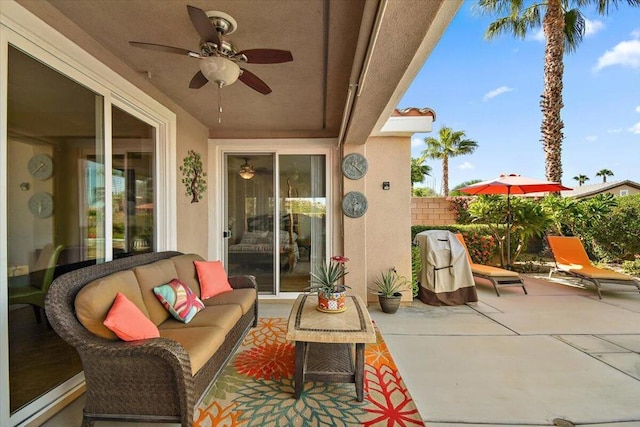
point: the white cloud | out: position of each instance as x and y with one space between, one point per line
626 54
496 92
635 128
416 142
638 109
636 33
592 27
618 130
466 165
538 35
591 138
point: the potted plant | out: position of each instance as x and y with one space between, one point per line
325 282
388 287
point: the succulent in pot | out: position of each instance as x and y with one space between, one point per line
326 282
388 287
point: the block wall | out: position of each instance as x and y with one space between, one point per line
431 211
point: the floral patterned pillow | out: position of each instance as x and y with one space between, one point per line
179 300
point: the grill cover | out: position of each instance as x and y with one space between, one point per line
445 278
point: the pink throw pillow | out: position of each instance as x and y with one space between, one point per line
179 300
213 278
127 321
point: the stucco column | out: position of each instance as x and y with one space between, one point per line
355 236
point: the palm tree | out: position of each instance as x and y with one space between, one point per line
450 144
424 192
419 170
563 29
581 179
604 173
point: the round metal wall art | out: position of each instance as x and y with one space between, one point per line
354 204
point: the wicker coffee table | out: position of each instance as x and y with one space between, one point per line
325 343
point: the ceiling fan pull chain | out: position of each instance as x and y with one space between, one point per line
219 103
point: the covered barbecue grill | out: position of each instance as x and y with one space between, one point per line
445 278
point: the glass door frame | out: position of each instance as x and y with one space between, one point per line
26 32
217 170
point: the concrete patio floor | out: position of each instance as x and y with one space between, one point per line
513 360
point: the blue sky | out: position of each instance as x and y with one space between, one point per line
491 90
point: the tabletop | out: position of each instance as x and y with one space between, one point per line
308 324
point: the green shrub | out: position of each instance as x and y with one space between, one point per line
416 266
528 219
460 205
632 267
481 244
616 238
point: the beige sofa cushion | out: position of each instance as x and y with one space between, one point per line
96 298
224 317
187 270
199 343
243 297
149 276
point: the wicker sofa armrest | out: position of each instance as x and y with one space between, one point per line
246 282
138 376
243 282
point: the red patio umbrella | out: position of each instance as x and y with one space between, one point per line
512 184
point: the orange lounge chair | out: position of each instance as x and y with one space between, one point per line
571 258
497 276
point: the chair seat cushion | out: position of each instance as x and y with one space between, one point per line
24 291
487 270
594 272
222 316
245 298
200 343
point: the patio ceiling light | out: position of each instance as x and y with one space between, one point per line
246 170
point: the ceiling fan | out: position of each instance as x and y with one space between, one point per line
219 58
247 170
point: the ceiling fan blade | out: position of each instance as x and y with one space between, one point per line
198 81
166 49
267 56
203 26
254 82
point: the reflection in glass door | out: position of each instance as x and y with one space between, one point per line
250 210
303 208
132 184
276 236
52 120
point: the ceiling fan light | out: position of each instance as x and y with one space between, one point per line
221 71
247 171
246 174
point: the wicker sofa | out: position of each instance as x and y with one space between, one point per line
158 379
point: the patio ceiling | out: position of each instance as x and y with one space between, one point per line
374 47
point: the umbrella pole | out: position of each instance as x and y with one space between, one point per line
508 229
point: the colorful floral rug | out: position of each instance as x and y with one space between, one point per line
256 389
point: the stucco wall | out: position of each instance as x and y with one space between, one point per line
431 211
389 226
381 239
192 218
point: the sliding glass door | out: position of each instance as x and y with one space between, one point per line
277 236
69 205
